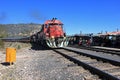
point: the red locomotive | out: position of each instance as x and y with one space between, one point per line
51 34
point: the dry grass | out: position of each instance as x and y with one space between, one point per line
16 45
1 44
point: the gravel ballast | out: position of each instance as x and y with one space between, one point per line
42 65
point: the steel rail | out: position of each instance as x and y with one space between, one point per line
114 62
102 50
97 71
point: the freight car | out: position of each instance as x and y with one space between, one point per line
111 41
51 34
103 40
85 40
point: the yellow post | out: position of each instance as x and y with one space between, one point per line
10 55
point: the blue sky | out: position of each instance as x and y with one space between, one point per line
88 16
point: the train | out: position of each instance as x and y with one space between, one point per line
103 40
111 41
51 34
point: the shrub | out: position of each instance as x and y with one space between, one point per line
19 47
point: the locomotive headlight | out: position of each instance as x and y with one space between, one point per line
52 37
64 37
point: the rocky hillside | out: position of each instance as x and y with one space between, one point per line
14 30
3 31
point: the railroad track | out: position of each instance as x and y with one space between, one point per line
105 50
104 68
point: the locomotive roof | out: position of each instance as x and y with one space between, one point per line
53 22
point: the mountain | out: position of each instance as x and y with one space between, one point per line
13 30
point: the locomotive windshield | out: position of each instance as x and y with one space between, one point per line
60 25
55 24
